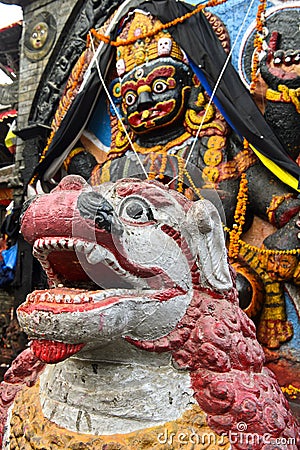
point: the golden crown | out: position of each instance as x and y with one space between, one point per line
146 48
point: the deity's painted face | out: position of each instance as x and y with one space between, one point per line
281 267
155 94
39 35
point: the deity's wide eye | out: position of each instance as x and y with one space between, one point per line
130 98
159 86
136 210
34 35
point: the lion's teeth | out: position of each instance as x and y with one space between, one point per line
88 247
70 243
58 298
97 255
79 246
77 299
68 299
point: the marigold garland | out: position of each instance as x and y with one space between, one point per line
291 391
152 172
258 43
267 251
199 8
235 242
239 219
192 184
181 172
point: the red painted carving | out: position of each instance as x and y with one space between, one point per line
214 340
24 372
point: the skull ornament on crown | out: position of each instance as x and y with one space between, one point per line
164 46
145 48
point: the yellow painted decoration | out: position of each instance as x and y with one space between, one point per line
285 95
30 430
74 152
213 157
282 174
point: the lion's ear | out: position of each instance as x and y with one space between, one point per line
208 237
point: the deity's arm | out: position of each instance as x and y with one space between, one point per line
271 199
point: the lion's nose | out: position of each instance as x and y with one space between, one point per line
93 206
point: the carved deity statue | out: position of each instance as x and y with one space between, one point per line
141 331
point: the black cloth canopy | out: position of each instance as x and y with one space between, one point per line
204 50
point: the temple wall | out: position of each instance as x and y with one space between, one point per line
31 73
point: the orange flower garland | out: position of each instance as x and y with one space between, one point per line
258 43
291 391
239 219
199 8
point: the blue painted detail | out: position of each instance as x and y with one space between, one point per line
232 13
291 349
99 122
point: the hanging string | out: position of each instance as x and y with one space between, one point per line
116 17
218 83
196 137
115 109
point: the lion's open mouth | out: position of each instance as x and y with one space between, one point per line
83 277
117 265
73 262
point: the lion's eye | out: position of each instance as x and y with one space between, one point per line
160 86
136 210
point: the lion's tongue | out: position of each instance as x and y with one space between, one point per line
52 352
